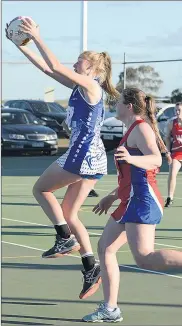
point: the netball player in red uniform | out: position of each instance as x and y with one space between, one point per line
141 206
174 145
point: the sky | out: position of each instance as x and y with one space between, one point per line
144 30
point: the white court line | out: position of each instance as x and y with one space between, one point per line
125 266
92 233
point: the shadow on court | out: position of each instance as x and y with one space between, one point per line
22 301
34 166
73 267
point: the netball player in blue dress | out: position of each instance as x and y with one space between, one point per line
85 161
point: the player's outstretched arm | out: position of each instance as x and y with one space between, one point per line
56 67
40 63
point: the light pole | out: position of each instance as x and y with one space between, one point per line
83 29
124 72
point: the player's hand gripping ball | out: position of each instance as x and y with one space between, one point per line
16 34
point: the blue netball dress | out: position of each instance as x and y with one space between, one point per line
86 155
141 201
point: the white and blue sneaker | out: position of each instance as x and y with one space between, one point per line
102 314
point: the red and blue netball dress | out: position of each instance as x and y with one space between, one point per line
176 148
141 201
86 155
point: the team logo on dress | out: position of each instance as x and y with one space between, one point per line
179 139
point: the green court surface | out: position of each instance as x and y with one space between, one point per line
38 291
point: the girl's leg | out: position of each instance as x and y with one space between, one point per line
113 237
141 241
52 179
74 198
173 171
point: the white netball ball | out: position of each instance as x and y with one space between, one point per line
16 34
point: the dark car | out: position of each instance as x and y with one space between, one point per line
52 116
21 131
57 106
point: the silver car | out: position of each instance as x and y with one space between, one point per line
112 131
163 117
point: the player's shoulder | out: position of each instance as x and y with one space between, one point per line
144 128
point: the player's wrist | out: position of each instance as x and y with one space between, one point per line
168 153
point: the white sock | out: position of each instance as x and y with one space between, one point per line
61 223
87 254
109 308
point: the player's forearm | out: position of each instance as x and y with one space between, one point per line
35 59
47 54
147 162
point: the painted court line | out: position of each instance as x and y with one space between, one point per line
125 266
18 257
92 233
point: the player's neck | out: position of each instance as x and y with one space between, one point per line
130 120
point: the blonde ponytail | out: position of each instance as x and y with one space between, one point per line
107 82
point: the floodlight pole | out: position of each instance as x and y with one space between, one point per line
124 71
83 29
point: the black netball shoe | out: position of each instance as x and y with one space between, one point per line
169 202
62 247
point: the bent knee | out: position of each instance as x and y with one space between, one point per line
103 249
37 189
143 261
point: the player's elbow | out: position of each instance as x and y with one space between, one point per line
48 72
54 66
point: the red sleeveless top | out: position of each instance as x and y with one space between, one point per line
177 137
138 178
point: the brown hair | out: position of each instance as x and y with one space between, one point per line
144 106
103 67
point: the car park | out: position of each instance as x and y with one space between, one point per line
50 114
22 132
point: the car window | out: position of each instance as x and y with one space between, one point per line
31 118
7 103
19 118
41 107
169 112
55 107
13 118
24 106
12 104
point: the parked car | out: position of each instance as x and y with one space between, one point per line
112 131
57 106
44 111
163 117
23 132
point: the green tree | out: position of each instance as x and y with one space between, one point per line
143 77
176 95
